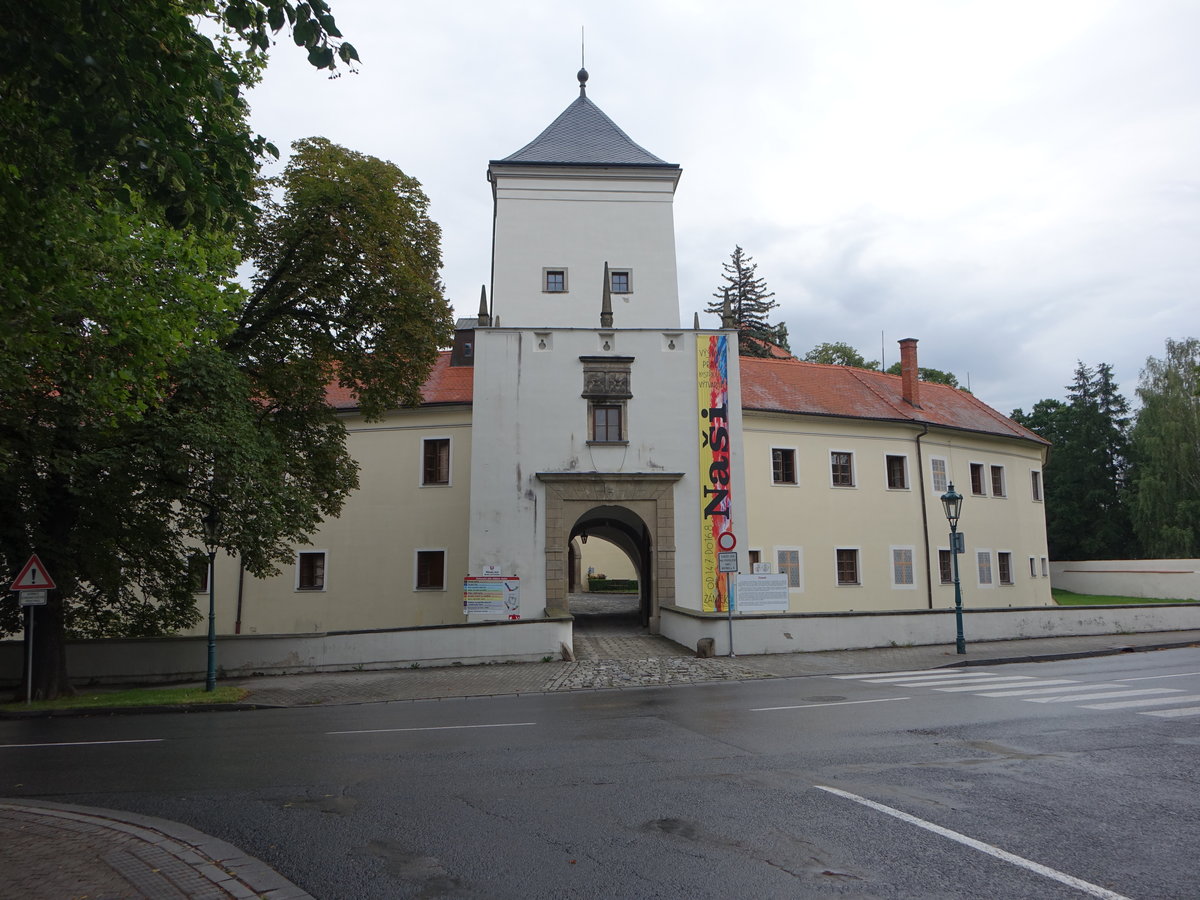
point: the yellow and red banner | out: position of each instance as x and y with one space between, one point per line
716 506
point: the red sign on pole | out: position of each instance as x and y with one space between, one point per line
33 577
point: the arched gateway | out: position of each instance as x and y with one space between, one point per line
635 511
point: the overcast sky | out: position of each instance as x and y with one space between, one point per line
1013 183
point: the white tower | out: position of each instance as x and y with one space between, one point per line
580 195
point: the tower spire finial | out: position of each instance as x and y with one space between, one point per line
582 75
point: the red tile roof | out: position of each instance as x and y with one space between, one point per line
792 386
786 386
445 384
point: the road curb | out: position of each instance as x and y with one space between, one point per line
214 860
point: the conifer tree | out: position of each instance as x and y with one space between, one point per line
750 303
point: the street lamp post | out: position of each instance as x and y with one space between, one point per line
952 503
210 539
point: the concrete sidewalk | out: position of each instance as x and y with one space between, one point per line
51 851
614 658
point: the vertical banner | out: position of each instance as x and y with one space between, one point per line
716 508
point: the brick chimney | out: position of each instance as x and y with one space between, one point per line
910 388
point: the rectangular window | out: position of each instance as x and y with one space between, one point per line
435 468
1035 483
1004 569
788 563
431 570
755 558
198 573
1033 567
997 481
847 566
783 465
606 423
619 279
902 566
310 571
977 487
937 468
897 472
554 281
1045 568
945 567
983 562
841 468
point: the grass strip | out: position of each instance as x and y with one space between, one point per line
92 699
1070 598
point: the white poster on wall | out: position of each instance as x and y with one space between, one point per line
762 593
490 597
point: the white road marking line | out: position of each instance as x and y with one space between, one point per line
1068 685
928 676
1037 868
1150 677
998 683
83 743
832 703
433 728
885 674
1071 698
948 679
1174 713
1150 701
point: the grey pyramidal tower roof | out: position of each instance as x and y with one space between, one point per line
584 136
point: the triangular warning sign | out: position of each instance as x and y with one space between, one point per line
33 577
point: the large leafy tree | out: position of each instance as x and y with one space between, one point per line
750 304
1166 453
146 394
933 376
1085 482
838 353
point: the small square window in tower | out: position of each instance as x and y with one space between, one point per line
554 281
620 281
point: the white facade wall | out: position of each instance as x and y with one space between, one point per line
816 518
530 417
576 220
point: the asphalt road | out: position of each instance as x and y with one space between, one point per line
1022 781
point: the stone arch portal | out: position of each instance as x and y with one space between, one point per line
634 511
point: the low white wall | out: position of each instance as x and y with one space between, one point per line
118 661
805 632
1170 579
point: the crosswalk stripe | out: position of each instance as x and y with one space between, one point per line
949 679
998 683
1065 684
885 674
1150 701
1071 698
1174 713
931 678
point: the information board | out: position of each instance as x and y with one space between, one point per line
492 596
762 593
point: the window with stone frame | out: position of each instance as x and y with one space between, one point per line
945 567
554 281
310 570
1004 569
937 469
841 468
783 465
621 281
978 488
606 381
431 570
435 468
897 472
847 566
